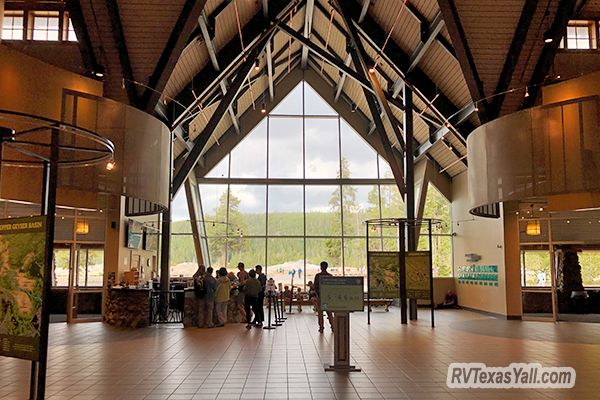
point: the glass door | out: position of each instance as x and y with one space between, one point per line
85 284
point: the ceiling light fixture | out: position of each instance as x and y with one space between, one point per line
372 70
548 36
110 165
256 65
263 108
99 71
526 91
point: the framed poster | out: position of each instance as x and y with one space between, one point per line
342 293
22 246
418 275
384 274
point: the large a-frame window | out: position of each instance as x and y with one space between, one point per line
294 192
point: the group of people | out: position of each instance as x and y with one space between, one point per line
214 293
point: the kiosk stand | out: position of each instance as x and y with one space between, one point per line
342 295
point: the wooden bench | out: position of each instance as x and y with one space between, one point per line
379 303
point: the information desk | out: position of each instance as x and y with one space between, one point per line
128 308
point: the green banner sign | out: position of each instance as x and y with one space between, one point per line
418 275
342 293
384 273
22 244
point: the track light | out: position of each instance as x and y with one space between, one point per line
526 92
372 70
548 36
110 165
354 107
263 108
256 65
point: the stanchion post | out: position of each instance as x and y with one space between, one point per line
282 307
276 310
269 326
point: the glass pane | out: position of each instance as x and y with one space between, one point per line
285 148
583 32
285 255
359 160
318 250
53 24
385 172
250 251
61 267
536 266
39 35
572 43
571 32
183 256
52 35
323 211
442 255
360 203
249 158
314 104
286 205
95 267
583 43
590 267
438 207
392 205
247 209
179 207
214 202
40 23
291 104
355 258
221 169
216 249
322 148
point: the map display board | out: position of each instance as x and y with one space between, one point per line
22 246
342 293
418 275
384 274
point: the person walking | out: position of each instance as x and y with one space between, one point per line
222 296
262 278
251 289
204 287
317 284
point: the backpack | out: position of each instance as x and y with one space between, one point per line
199 287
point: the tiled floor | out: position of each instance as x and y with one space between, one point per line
95 361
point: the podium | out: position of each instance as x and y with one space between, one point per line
342 296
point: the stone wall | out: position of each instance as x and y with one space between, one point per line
128 308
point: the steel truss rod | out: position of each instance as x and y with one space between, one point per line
358 55
233 66
234 89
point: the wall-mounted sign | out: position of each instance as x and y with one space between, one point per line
22 244
418 275
384 274
472 257
482 275
341 293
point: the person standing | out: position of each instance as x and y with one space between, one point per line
317 284
222 296
206 303
251 289
262 278
242 275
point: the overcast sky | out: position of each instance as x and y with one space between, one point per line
322 146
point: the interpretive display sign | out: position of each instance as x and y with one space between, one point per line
22 245
341 293
418 275
384 275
